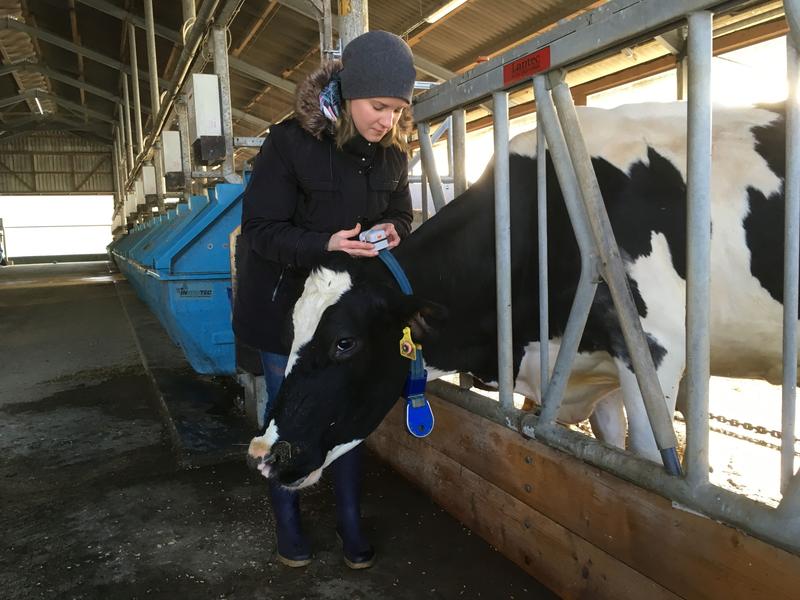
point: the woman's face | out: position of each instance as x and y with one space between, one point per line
375 117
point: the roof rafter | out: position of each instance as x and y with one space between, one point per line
123 15
56 40
76 39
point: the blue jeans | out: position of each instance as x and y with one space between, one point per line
274 367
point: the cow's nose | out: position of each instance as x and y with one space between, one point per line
256 462
282 452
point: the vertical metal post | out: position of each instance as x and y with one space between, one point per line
126 165
458 132
457 143
698 235
137 106
152 61
189 10
502 230
791 263
186 147
449 142
326 50
680 74
115 167
424 195
353 19
544 308
128 129
219 38
429 165
155 102
189 17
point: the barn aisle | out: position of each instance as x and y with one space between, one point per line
94 504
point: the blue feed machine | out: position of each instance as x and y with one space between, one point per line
179 264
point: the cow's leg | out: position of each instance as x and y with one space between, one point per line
640 434
608 419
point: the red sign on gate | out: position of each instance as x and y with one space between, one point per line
526 66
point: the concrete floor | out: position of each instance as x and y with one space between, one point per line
93 503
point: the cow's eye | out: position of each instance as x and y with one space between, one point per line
345 345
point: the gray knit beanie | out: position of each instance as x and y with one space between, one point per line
378 64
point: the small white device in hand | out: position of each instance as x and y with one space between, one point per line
376 237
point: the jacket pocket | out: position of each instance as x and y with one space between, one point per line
321 204
381 187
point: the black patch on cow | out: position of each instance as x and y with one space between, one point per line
469 342
651 198
764 222
771 139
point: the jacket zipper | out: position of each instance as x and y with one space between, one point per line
278 284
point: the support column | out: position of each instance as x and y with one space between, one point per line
222 71
137 106
128 129
353 19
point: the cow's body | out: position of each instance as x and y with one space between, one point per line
639 156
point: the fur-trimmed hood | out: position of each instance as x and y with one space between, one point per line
306 100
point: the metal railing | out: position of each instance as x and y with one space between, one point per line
612 26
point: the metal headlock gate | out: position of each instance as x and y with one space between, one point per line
542 62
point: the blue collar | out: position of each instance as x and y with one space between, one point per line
419 416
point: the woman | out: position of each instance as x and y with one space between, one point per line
337 168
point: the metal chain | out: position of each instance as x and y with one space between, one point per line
748 426
760 429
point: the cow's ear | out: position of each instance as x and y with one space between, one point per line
425 318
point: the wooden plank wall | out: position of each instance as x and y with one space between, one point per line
579 530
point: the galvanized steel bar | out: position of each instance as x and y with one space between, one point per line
424 195
458 133
115 164
190 49
698 252
137 106
121 135
611 25
219 39
502 232
353 20
186 147
790 484
151 55
587 284
128 129
792 10
544 308
717 503
429 165
617 280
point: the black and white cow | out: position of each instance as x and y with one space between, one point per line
345 371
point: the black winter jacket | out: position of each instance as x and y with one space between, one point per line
302 190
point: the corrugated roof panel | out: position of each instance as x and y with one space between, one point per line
54 162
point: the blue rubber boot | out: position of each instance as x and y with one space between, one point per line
293 548
347 469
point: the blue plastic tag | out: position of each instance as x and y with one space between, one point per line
419 416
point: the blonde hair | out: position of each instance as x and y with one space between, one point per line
398 136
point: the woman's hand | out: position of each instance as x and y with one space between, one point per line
391 233
340 241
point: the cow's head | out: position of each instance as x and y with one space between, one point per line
345 370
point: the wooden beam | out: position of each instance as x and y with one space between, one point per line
682 552
415 39
262 21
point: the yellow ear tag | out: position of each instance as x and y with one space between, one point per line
407 347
